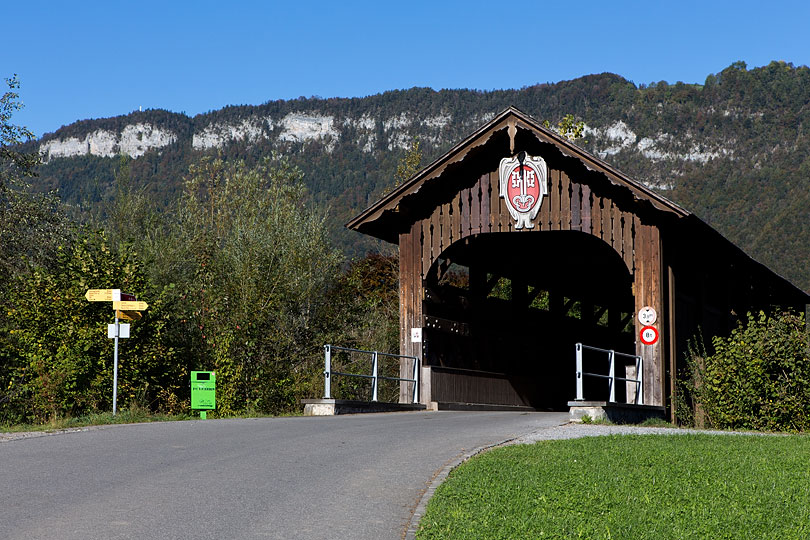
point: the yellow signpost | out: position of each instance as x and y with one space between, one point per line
103 295
130 306
125 307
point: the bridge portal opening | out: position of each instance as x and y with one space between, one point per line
503 313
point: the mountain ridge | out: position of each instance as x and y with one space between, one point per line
734 150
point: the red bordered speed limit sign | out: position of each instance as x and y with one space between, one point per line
648 335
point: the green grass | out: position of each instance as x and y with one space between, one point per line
131 415
631 487
124 416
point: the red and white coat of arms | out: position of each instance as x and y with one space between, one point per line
523 182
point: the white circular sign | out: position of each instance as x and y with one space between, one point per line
648 335
647 316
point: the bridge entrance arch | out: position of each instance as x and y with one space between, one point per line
516 244
502 314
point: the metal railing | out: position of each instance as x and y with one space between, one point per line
375 376
611 376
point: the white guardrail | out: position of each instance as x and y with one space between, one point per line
611 376
374 376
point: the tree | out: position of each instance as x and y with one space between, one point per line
410 163
29 222
569 128
58 360
12 160
32 227
253 262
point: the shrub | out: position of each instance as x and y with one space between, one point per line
758 377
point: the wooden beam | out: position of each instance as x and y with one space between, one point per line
494 203
555 199
565 202
672 340
576 206
586 209
647 281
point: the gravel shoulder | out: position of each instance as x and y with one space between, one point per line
576 430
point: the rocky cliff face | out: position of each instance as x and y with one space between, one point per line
133 140
371 134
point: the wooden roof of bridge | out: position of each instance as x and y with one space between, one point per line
385 218
508 133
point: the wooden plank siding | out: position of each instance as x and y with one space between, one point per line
586 209
570 206
648 281
554 200
494 203
576 207
565 201
486 207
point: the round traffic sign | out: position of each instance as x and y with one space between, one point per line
647 315
648 335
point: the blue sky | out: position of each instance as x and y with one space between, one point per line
79 60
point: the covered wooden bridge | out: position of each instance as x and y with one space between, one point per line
516 245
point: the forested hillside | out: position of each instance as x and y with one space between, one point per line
735 150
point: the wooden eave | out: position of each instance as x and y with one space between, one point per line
386 209
728 250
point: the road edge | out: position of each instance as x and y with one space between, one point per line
439 478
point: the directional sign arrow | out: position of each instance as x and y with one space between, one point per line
129 315
103 295
130 306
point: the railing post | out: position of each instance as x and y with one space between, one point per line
415 398
327 372
579 372
612 375
640 379
374 376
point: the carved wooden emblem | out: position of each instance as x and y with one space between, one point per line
523 182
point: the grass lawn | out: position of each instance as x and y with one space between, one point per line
131 415
630 486
125 416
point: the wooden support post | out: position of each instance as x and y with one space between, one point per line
671 340
647 283
411 289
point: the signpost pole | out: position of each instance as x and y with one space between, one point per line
125 306
115 365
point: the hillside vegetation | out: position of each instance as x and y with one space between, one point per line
734 150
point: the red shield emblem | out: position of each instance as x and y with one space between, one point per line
523 182
523 188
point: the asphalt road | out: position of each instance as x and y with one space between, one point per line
344 477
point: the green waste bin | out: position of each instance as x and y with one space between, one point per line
203 391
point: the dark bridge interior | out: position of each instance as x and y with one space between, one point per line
504 311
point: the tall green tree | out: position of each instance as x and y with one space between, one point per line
32 227
30 223
253 261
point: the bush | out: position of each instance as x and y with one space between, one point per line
758 378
